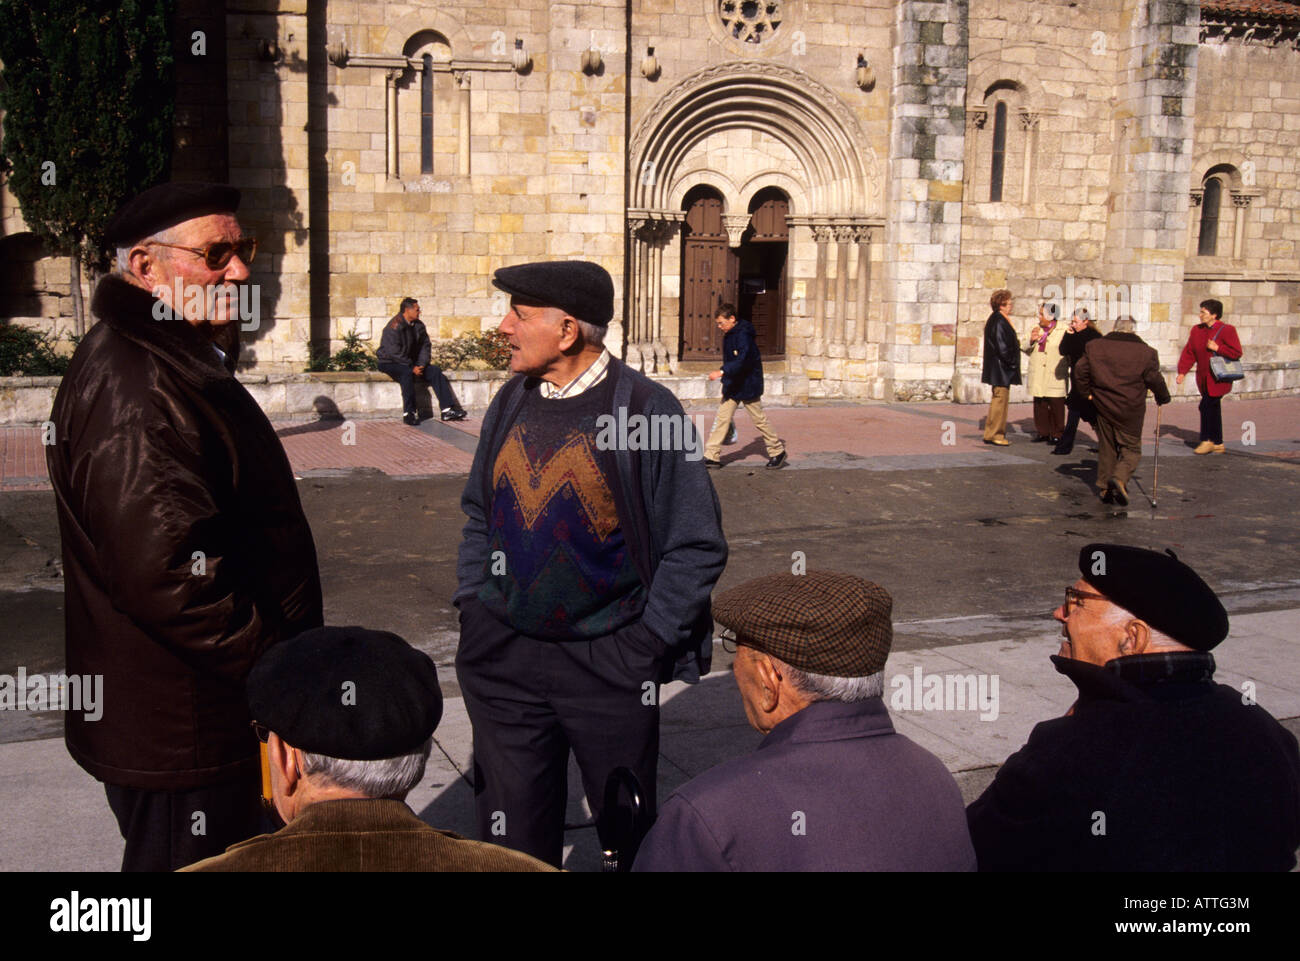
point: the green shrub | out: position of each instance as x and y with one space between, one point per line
29 353
470 351
352 356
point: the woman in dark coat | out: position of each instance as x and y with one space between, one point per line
1082 329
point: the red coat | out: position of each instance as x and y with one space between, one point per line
1196 353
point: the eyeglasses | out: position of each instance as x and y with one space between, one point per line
1075 596
261 730
218 255
728 640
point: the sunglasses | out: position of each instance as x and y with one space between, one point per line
1075 596
218 255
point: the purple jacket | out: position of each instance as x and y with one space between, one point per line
832 788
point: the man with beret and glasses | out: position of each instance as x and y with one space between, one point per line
348 717
186 553
586 563
832 787
1155 767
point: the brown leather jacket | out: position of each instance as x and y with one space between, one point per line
185 549
366 834
1116 371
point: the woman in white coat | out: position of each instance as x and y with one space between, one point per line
1048 374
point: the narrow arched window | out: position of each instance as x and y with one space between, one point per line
1206 245
999 150
426 116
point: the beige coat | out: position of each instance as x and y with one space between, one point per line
1048 369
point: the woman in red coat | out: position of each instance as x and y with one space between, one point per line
1210 336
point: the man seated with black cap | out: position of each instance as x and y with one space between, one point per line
348 717
832 787
1155 767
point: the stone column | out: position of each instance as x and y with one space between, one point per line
843 237
1029 124
861 291
390 90
662 232
822 235
1146 233
1194 198
927 146
462 145
1240 204
636 318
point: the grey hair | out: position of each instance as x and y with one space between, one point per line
1125 324
167 236
822 687
390 777
591 334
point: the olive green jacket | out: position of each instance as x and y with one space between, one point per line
364 835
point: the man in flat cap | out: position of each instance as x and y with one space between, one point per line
404 353
1155 767
832 787
186 553
348 717
1115 373
586 563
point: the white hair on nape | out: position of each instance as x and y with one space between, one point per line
592 335
823 687
1159 639
389 777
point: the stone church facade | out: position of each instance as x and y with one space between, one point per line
858 177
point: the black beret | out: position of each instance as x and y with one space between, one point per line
167 205
1158 588
347 692
578 287
827 623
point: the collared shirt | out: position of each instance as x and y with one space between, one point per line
588 379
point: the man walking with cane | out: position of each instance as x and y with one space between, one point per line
1115 373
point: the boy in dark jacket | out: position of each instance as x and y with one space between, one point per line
742 386
404 351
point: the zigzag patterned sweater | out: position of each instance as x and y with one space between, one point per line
558 566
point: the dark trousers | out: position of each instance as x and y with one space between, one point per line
1049 416
1211 418
530 701
433 375
1118 453
163 831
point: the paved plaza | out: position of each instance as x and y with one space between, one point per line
974 543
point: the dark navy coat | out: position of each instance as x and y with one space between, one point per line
1158 769
832 788
742 368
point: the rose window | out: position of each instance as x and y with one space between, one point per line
750 21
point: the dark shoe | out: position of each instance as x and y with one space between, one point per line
411 420
1119 494
712 464
1108 496
732 436
777 461
1058 449
454 414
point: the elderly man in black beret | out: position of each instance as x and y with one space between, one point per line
348 717
186 553
832 787
1155 767
593 542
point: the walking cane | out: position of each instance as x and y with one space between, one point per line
1155 483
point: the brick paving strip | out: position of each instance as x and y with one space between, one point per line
870 436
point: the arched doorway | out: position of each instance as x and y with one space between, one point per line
763 252
710 273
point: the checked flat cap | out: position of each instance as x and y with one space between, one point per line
1158 588
827 623
167 205
577 287
347 692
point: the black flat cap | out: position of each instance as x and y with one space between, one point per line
166 206
827 623
1158 588
347 692
578 287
